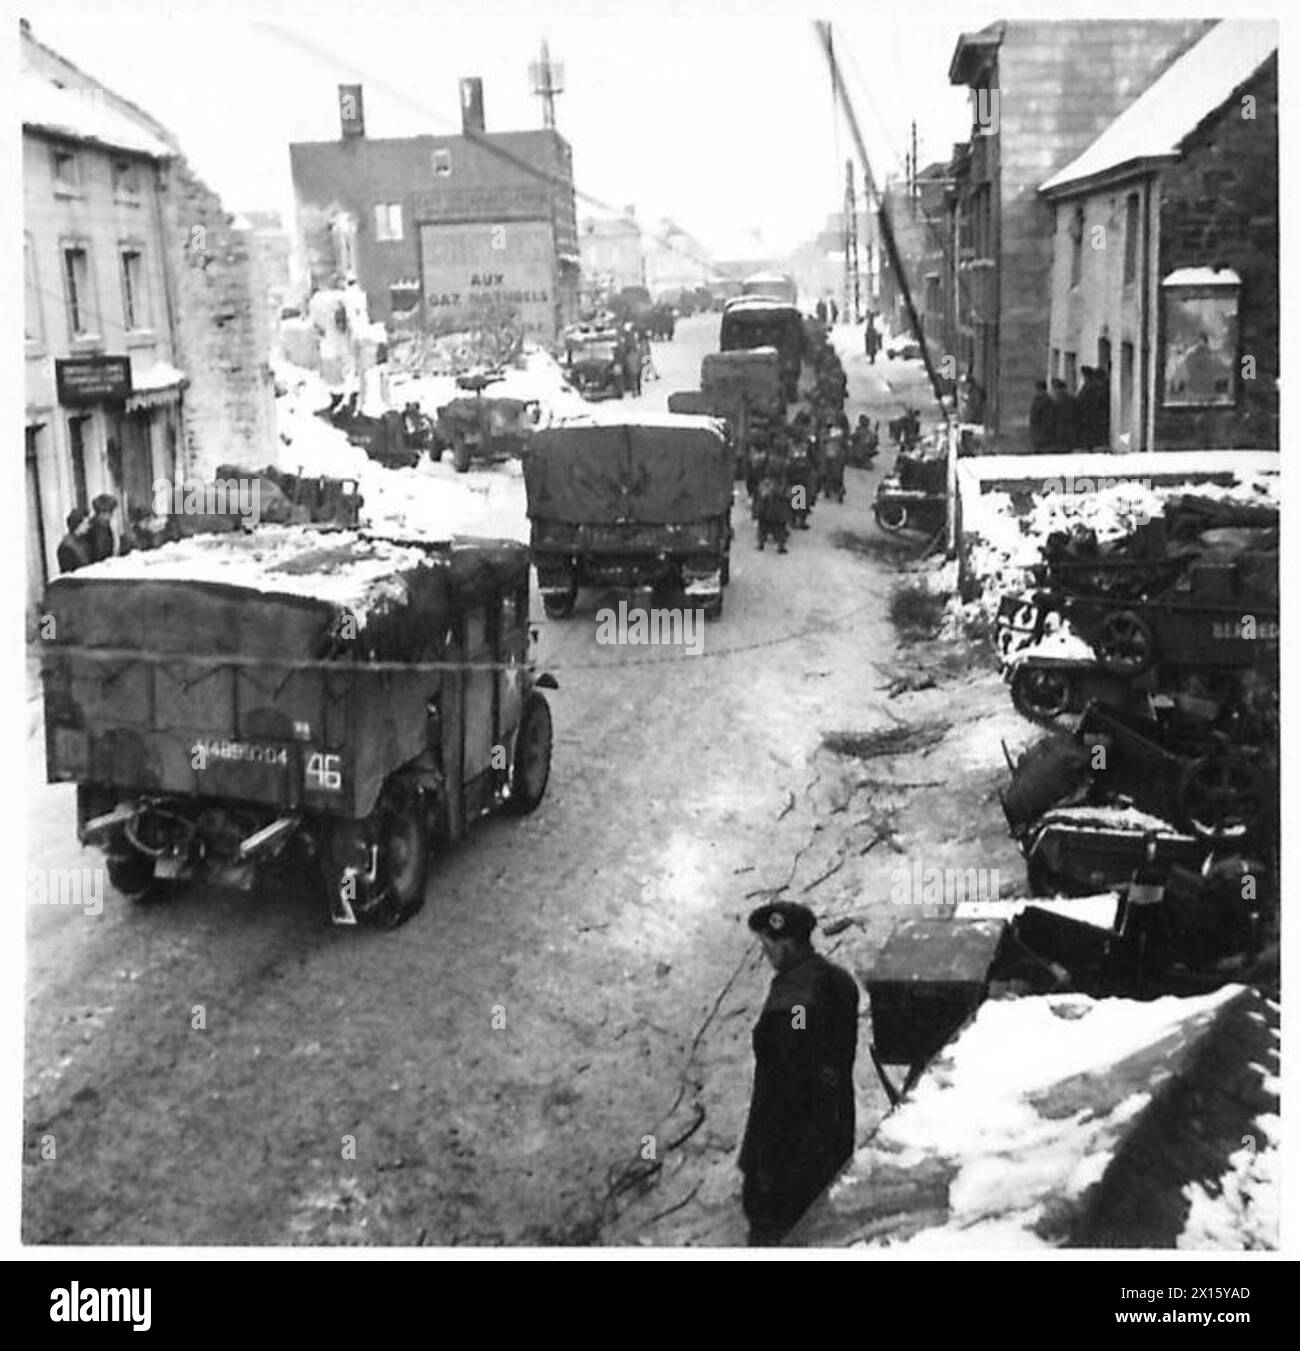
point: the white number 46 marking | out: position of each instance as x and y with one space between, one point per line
323 772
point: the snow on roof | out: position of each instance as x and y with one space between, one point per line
1202 276
83 114
744 303
1156 123
598 415
346 569
161 375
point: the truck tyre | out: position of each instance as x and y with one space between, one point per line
559 605
532 764
891 516
131 873
398 831
1041 694
713 607
460 457
726 569
1220 796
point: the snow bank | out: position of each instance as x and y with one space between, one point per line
1009 1132
1003 536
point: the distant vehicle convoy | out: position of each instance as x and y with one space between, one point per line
298 699
644 503
755 321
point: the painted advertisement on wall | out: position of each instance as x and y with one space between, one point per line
496 272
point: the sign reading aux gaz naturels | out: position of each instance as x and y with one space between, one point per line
505 266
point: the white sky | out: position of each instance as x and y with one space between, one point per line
715 113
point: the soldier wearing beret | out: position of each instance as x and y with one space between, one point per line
801 1116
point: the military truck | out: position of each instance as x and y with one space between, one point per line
629 504
333 704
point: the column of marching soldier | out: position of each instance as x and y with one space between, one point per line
790 463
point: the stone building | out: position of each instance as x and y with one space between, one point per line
1166 252
443 230
611 251
145 357
1041 91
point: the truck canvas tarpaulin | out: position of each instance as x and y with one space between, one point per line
650 473
736 380
259 648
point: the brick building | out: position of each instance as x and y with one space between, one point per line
1166 252
145 355
1041 92
443 228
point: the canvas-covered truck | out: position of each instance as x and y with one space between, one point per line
631 504
284 696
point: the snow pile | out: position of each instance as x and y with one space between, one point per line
1062 644
996 1116
1003 538
539 377
430 501
1107 816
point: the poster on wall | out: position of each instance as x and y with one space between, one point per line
1200 348
496 273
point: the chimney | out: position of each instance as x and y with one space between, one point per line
352 115
471 106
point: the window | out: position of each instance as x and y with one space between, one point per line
1076 245
442 163
33 326
67 171
77 450
76 283
1132 204
126 178
1071 371
1055 370
135 297
388 220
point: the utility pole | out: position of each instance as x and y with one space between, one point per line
888 243
912 193
850 243
547 80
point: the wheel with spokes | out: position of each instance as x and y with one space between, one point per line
1124 644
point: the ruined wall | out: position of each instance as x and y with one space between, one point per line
222 323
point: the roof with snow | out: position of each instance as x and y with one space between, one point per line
83 114
1154 126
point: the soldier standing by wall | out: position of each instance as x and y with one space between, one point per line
802 1114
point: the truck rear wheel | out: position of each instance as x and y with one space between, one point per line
396 837
532 767
891 516
131 873
460 457
559 605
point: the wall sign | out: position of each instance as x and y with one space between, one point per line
88 380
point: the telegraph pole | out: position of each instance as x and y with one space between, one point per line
852 284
